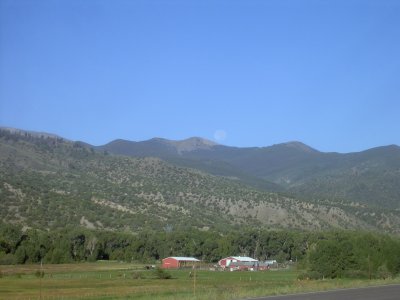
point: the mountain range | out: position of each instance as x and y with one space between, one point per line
47 182
370 177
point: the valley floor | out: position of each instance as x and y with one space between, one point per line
113 280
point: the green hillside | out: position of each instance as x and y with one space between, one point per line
200 154
48 183
370 177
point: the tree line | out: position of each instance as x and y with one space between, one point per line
320 254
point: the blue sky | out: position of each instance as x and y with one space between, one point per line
246 73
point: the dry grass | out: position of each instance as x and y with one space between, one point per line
121 281
68 268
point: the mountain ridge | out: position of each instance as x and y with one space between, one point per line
291 143
296 168
368 176
46 183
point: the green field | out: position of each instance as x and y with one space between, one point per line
112 280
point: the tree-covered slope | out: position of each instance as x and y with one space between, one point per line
192 153
47 182
370 177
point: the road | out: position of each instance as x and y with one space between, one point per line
387 292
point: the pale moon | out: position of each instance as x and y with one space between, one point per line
220 135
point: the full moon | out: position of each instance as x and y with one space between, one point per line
220 135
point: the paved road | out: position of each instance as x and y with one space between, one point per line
388 292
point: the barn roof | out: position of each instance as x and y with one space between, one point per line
243 258
182 258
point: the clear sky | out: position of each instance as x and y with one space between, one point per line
242 72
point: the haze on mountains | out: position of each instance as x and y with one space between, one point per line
47 182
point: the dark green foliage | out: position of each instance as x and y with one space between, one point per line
39 274
58 256
365 255
331 258
162 274
72 244
320 254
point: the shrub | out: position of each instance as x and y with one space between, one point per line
137 275
356 274
313 275
7 259
383 272
39 274
162 274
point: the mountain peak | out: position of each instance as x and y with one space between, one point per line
299 146
192 144
199 140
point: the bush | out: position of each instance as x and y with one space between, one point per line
162 274
313 275
7 259
358 274
137 275
383 272
39 274
92 258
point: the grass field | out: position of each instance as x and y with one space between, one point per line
112 280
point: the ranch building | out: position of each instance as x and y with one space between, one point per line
236 261
242 263
177 262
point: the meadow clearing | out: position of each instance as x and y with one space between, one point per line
113 280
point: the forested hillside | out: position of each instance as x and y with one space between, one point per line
47 182
370 177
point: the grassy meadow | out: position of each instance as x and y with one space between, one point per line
113 280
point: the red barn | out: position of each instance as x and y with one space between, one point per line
176 262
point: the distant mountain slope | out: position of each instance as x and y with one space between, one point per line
195 153
48 182
158 146
370 177
29 132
